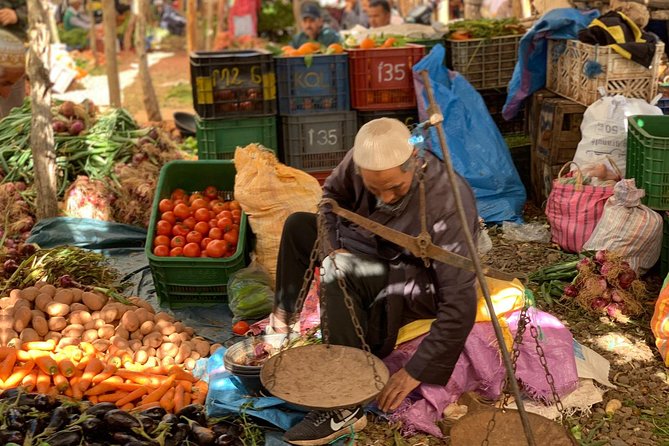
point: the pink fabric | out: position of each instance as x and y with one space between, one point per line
480 369
573 213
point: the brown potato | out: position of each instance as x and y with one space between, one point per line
73 331
48 289
106 331
130 321
147 327
77 306
29 335
42 300
29 293
64 296
79 317
40 326
94 301
89 335
57 323
55 309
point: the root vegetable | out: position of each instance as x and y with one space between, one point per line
143 315
189 330
95 315
29 335
147 327
57 309
74 330
153 339
135 345
90 325
626 279
119 342
184 336
101 345
57 323
53 335
601 256
29 293
66 341
194 355
79 307
142 304
22 317
89 335
109 313
183 353
136 335
213 348
152 361
98 323
64 296
168 361
612 406
189 364
166 327
21 303
201 346
42 300
76 294
79 317
168 349
106 331
39 313
122 332
141 356
179 326
174 338
94 301
130 321
48 289
162 316
40 325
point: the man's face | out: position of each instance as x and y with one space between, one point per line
312 26
378 16
9 77
389 186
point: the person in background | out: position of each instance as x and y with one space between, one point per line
353 15
170 19
379 179
14 17
75 17
378 13
13 32
313 27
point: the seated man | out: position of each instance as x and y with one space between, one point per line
313 27
12 67
379 179
75 17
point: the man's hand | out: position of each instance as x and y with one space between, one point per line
399 386
8 17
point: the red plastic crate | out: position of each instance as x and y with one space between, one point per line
321 176
381 78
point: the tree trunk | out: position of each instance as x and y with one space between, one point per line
209 27
53 27
222 15
41 134
472 9
109 19
150 99
296 12
92 36
191 25
129 32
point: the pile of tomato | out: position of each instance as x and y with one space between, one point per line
201 224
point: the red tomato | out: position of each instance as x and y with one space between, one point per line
235 227
203 254
165 205
217 207
169 217
194 237
225 214
202 214
216 248
161 251
178 241
163 227
202 227
231 237
224 223
190 222
213 223
234 205
205 241
181 211
161 240
176 252
211 192
192 250
240 328
216 233
180 229
195 197
236 214
226 205
178 194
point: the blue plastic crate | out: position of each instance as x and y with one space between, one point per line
316 84
664 105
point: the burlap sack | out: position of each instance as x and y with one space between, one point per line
269 192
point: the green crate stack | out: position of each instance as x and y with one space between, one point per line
184 281
218 138
648 158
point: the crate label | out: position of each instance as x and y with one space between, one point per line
269 86
234 77
204 89
315 81
323 136
391 75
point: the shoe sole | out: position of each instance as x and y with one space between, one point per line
357 427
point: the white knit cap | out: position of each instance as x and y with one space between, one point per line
382 144
12 51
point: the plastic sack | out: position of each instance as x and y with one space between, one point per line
249 293
269 192
529 232
660 322
604 129
477 149
629 228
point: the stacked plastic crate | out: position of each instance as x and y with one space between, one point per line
234 95
317 125
382 82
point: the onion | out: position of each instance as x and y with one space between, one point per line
59 127
613 310
626 278
76 127
616 297
153 134
144 140
20 186
606 295
9 243
27 249
66 281
606 268
138 158
600 256
66 109
10 266
570 291
12 253
584 264
598 304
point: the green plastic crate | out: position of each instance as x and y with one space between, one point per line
185 281
648 158
217 139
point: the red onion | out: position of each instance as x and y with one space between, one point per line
584 264
606 268
626 278
59 127
598 304
27 249
25 236
606 295
66 281
570 291
9 243
600 256
20 186
153 134
613 310
12 253
10 266
76 127
616 297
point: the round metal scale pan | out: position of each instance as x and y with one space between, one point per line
323 376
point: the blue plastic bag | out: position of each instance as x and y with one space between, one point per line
477 149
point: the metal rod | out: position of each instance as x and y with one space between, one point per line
432 109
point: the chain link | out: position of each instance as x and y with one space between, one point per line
549 377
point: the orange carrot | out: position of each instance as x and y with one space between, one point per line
43 382
187 385
108 371
45 362
76 390
141 377
93 399
99 389
30 380
7 366
132 396
200 392
19 374
167 400
157 394
23 356
182 374
69 392
93 367
112 397
146 406
73 352
127 407
187 398
48 346
131 387
66 367
87 348
61 382
5 351
178 398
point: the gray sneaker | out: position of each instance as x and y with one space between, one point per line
323 427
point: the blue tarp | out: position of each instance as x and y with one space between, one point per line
477 149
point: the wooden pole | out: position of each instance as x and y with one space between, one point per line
109 19
53 27
93 38
191 25
150 99
41 134
222 15
210 27
129 31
